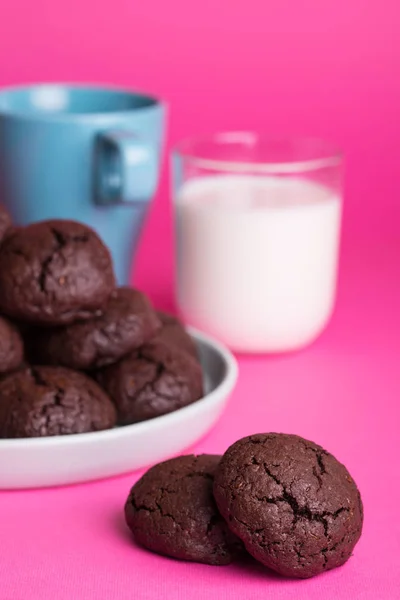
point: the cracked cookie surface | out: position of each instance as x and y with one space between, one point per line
44 401
153 381
171 511
54 272
295 507
11 346
127 322
174 332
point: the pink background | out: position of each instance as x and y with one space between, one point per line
328 68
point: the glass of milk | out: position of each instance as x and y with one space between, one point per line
257 238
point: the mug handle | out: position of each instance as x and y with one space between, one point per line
126 168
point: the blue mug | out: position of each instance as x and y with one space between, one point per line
84 153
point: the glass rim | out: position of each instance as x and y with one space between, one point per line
187 149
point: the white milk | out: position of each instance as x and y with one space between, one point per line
257 259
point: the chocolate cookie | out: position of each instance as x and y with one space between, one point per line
43 401
174 332
5 222
128 321
171 511
11 347
151 382
295 507
54 272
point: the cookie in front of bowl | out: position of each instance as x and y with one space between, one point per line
128 321
47 401
171 511
153 381
295 507
54 272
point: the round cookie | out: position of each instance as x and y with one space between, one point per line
44 401
54 272
156 380
128 321
171 511
5 222
174 332
11 347
295 507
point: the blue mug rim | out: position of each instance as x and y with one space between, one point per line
151 102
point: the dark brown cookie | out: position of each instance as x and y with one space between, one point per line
174 332
43 401
11 347
128 321
295 507
54 272
5 222
171 511
156 380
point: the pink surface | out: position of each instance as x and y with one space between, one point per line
321 68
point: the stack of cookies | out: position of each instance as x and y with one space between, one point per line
77 353
285 500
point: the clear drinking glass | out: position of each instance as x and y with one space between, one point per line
257 238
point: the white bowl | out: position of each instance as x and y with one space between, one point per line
65 459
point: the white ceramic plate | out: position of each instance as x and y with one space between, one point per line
61 460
